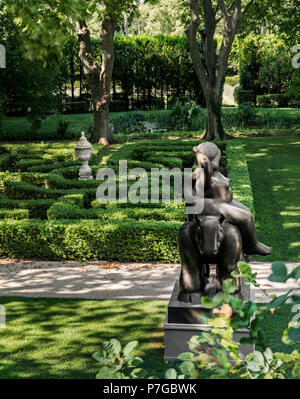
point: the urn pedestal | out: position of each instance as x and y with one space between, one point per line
182 322
84 151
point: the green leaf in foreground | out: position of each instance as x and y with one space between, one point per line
229 286
279 274
295 273
171 374
130 347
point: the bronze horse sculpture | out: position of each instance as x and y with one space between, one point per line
210 249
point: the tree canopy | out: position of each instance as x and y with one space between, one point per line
49 24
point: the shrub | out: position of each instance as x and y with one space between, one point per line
24 164
188 117
65 210
293 93
17 214
182 100
20 190
155 241
272 100
62 127
242 96
57 181
5 162
36 208
36 179
129 121
246 114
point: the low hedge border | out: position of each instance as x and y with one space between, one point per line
36 208
64 210
139 241
17 214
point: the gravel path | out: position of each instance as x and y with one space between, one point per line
107 280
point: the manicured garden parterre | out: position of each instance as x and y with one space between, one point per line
65 221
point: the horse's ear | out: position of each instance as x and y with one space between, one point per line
221 219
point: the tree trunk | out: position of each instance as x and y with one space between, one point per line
210 66
214 127
101 127
98 77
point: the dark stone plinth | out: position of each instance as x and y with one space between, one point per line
183 321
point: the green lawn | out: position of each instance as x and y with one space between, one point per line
78 122
55 338
274 167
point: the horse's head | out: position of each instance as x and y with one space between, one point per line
210 235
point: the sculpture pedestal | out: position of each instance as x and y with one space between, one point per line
183 322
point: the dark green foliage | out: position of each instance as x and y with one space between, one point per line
187 117
242 96
246 115
62 128
5 161
14 214
36 208
153 70
265 68
273 100
19 190
155 241
293 93
63 210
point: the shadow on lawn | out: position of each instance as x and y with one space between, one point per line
274 169
55 338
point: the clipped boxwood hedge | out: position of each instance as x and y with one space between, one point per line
14 214
140 241
62 210
272 100
36 208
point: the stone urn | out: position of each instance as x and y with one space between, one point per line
84 151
